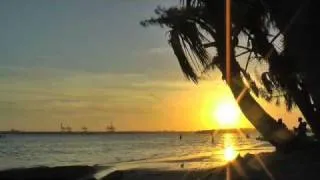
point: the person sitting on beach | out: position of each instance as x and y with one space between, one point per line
281 124
301 131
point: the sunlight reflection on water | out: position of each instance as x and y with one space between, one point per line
230 152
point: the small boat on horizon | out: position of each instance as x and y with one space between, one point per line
111 128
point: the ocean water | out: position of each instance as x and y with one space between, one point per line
163 150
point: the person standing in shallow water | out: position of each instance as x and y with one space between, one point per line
212 138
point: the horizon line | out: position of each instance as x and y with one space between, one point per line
122 131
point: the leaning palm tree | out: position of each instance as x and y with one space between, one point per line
254 19
186 36
285 72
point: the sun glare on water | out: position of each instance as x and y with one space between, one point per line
229 150
229 153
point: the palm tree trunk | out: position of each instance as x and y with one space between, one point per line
258 117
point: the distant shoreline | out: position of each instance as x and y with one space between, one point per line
246 130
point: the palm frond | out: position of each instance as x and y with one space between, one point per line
267 82
185 38
175 43
289 101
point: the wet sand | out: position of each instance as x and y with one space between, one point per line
303 164
297 165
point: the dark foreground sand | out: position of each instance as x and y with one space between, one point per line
46 173
304 164
297 165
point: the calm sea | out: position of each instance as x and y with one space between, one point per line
125 150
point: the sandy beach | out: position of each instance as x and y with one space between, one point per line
302 164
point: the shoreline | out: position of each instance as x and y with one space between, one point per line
300 164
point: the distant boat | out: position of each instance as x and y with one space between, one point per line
84 129
65 128
111 128
14 131
62 128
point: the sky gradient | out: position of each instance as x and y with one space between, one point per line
89 63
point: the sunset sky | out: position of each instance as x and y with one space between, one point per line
89 63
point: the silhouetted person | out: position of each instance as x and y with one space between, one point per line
212 138
302 128
180 137
281 124
182 165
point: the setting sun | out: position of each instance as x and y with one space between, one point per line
227 115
